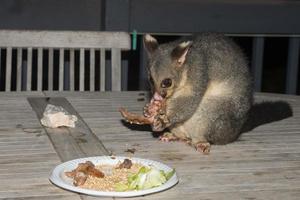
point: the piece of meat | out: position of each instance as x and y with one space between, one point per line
79 178
154 108
70 174
95 172
125 164
85 166
82 171
134 118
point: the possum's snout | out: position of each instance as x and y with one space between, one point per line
159 96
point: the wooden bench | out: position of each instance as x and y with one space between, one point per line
17 44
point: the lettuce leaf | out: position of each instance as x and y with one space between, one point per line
121 187
154 178
145 178
169 174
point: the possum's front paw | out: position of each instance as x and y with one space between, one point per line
158 125
160 122
155 106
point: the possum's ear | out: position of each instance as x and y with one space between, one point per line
179 53
150 43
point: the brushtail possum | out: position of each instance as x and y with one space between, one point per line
202 90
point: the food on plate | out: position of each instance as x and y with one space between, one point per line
125 164
124 176
81 173
145 178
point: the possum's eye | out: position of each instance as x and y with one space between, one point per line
166 83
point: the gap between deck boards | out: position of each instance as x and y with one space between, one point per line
69 143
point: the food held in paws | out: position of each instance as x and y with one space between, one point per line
151 111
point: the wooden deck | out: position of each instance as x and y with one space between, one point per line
263 164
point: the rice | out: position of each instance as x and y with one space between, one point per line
112 176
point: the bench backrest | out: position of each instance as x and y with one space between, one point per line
30 56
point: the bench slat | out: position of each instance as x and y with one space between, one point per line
64 39
102 70
29 69
50 69
92 70
115 69
40 70
81 70
72 69
8 69
61 70
19 69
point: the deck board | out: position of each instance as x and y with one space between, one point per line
264 163
27 157
69 143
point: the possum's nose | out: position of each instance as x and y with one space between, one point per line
157 96
163 93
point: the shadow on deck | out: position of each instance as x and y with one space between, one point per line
267 112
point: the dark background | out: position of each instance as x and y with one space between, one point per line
168 19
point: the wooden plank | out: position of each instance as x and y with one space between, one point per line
50 69
263 163
102 70
29 69
61 70
8 69
70 143
19 69
292 66
43 196
81 70
257 62
27 156
40 70
64 39
116 69
92 69
72 70
26 192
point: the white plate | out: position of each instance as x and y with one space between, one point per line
59 178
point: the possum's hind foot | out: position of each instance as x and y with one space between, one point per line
203 147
